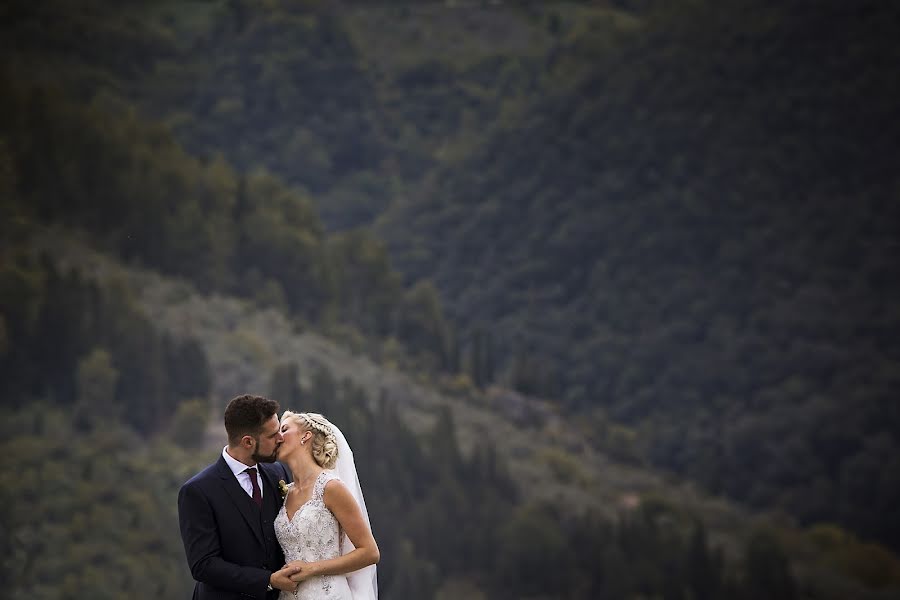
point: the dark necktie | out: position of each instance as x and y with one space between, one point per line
257 494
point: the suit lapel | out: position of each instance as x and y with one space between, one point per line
241 500
271 494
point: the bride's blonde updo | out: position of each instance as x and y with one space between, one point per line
324 444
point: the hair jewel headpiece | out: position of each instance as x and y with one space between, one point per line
322 426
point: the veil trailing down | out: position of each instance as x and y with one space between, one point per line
364 582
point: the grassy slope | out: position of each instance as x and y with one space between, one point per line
244 343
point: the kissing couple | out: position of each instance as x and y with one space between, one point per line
292 529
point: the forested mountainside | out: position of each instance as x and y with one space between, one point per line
450 519
342 102
673 221
699 238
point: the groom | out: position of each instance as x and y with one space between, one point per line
227 511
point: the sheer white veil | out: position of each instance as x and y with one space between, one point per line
364 582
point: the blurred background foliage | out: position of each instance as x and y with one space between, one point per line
604 294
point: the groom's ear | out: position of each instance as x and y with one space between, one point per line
247 441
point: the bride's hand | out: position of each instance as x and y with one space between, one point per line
281 579
306 571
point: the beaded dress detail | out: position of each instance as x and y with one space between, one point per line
313 534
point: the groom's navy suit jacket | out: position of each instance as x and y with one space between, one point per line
230 541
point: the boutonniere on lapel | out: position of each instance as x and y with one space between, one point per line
283 488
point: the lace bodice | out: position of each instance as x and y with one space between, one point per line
312 534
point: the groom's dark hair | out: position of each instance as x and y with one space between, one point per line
245 415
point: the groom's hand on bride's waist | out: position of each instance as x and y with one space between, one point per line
282 579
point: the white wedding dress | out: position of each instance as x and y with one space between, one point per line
313 534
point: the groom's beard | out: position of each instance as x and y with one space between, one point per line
265 458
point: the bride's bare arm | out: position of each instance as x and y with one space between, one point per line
341 503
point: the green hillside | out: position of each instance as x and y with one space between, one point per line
421 453
698 237
606 287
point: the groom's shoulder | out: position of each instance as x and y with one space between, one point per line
209 473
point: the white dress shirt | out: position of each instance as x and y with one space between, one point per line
238 468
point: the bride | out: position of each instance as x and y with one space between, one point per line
323 526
